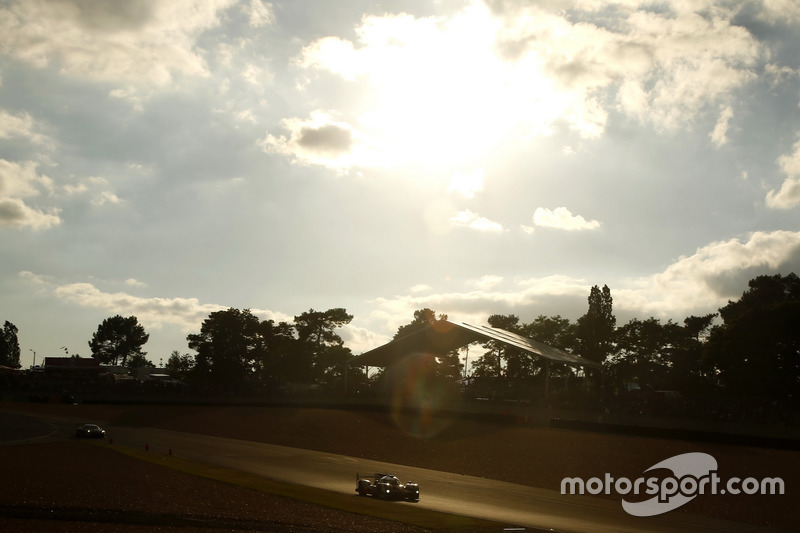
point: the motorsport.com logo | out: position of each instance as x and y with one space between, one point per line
692 474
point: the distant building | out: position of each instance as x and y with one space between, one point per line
71 366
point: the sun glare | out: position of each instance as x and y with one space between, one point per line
441 94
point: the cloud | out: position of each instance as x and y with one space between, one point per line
18 181
128 95
14 213
21 179
148 40
525 69
468 219
106 197
20 125
789 194
527 298
186 313
663 65
421 287
259 13
713 274
36 279
320 140
486 282
466 184
696 284
562 218
719 136
360 339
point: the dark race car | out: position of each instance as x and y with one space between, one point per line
90 431
386 486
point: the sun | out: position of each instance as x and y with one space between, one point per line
437 93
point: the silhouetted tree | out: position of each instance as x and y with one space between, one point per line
227 346
9 346
117 339
179 366
138 360
642 353
422 319
596 328
686 370
554 331
319 342
755 353
280 361
518 363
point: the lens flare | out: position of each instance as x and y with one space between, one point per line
421 400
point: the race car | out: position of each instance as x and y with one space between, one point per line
90 431
386 486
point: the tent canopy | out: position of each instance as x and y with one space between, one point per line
444 336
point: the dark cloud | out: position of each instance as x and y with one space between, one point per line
328 139
11 212
731 284
110 16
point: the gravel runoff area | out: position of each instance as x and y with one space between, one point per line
73 483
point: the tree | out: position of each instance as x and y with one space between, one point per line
554 331
755 353
179 366
279 361
500 359
422 319
643 353
446 365
686 371
138 360
596 328
321 344
227 347
117 339
9 346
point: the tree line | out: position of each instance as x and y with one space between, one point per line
747 353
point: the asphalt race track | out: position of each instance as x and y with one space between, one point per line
441 491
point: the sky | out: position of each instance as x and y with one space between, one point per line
168 159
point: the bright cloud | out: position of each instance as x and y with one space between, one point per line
720 134
487 282
18 181
148 40
700 284
788 195
186 313
20 125
562 218
714 273
468 219
528 68
260 13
